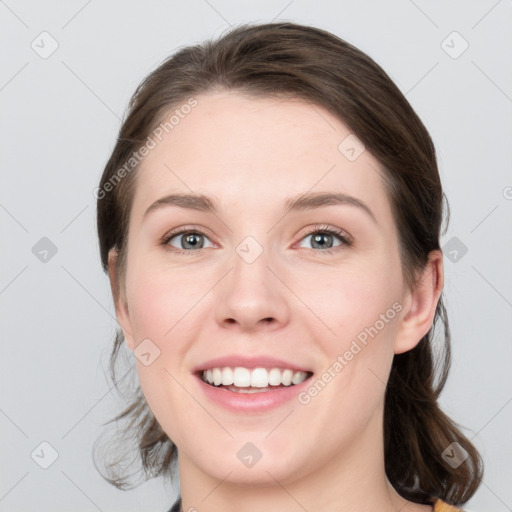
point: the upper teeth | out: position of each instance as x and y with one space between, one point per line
256 377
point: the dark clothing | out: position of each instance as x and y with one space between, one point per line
177 506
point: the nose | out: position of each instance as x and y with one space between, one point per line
251 297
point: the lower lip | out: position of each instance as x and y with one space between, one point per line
252 402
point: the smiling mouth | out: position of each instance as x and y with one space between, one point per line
252 380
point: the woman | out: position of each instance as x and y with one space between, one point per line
270 220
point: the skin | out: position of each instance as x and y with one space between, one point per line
294 302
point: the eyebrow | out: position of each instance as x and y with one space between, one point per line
302 202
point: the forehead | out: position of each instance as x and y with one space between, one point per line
256 151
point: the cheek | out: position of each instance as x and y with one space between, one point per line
162 301
350 297
164 308
361 305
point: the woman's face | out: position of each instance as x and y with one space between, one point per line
260 281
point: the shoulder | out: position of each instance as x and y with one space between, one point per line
441 506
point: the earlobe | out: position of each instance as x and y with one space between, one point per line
422 303
118 294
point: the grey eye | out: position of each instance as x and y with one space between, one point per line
322 240
190 240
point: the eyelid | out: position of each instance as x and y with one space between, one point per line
327 228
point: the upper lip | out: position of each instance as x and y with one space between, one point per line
234 361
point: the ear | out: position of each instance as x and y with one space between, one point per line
420 304
119 296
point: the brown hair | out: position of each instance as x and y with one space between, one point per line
286 59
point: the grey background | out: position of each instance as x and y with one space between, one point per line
60 117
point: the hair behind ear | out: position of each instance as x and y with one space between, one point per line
417 431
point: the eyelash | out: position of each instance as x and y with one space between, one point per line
346 240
